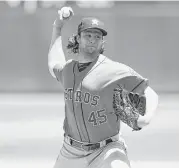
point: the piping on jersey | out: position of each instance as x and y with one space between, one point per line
137 85
73 102
81 91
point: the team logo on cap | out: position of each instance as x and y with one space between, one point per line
95 22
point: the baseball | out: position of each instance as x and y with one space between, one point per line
65 12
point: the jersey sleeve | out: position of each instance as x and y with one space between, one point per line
141 82
131 80
58 70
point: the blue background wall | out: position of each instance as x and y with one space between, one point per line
144 35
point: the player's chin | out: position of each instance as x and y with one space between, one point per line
91 50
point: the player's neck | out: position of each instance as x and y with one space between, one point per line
83 58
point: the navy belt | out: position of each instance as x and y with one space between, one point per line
87 146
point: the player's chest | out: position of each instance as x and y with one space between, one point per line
84 87
92 82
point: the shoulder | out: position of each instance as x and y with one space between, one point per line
118 69
123 73
115 65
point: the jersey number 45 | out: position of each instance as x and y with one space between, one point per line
97 117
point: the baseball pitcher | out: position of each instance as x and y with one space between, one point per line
99 94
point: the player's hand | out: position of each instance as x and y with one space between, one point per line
64 15
143 121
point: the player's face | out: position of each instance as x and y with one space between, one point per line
91 41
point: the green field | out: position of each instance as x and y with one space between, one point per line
31 132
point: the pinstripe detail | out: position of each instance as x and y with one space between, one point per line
81 103
85 123
73 101
137 85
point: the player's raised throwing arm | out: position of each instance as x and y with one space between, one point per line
56 57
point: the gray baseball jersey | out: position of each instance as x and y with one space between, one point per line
88 97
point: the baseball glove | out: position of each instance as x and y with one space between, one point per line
128 106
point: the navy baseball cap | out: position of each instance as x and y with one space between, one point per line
91 23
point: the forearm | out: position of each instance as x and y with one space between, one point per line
151 106
57 31
151 102
56 54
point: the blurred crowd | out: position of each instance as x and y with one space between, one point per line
30 7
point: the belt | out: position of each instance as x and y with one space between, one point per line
88 146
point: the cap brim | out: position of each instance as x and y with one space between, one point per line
104 32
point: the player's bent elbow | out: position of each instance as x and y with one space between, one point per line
50 68
152 97
52 73
147 122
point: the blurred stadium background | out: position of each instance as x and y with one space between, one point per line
144 35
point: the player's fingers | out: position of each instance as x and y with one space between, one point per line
65 10
60 14
71 13
71 10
